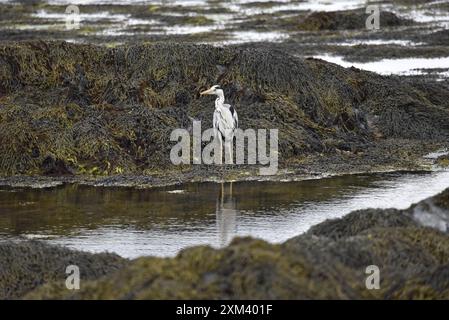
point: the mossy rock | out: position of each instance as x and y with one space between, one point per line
443 161
347 20
29 264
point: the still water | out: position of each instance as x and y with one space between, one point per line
135 222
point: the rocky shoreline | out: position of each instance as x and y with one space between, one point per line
72 112
410 247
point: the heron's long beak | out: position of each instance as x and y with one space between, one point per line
208 91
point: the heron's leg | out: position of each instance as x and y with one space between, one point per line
220 147
221 150
231 149
228 151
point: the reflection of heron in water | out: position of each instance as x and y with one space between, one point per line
226 215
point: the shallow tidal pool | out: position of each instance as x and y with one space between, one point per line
136 222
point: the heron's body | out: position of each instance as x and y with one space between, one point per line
225 121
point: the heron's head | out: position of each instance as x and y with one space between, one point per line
214 90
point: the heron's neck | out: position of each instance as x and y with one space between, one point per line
220 98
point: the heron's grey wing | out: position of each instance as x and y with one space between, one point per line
226 118
226 124
234 115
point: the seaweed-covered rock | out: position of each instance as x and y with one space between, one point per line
247 269
83 109
27 265
443 161
328 262
347 20
440 37
352 224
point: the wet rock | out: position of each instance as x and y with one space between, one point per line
443 161
29 264
352 224
439 37
347 20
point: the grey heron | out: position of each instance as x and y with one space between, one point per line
225 121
